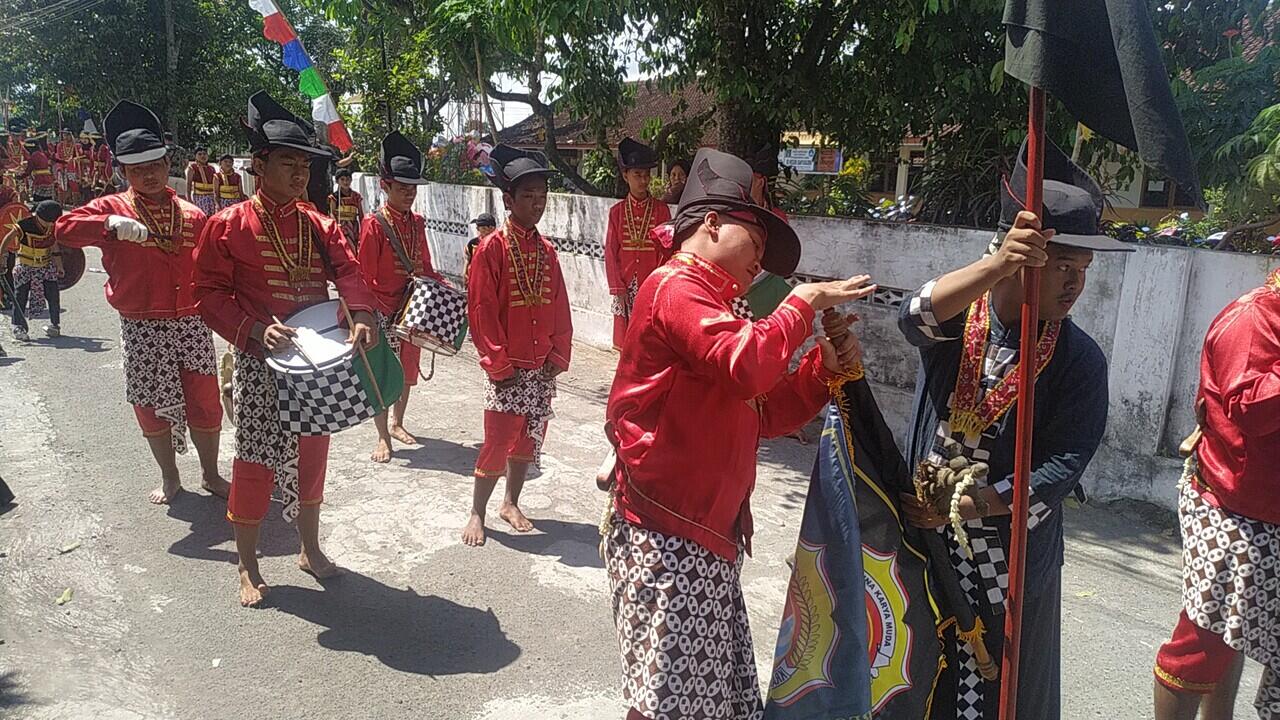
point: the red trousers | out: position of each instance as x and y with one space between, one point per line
410 358
204 407
619 331
1194 660
505 438
251 483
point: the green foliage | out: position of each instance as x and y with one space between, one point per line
601 169
448 164
841 195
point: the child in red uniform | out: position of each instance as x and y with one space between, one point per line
258 261
227 183
147 235
523 332
629 253
347 206
695 390
393 251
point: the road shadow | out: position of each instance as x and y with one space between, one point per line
10 360
419 634
6 509
437 454
576 544
87 344
11 694
209 528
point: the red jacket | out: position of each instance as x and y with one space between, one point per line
228 186
632 255
1239 406
144 282
202 176
240 279
39 169
695 390
381 267
508 331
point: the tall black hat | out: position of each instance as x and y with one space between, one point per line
634 155
1073 202
134 134
510 165
765 161
401 160
722 182
269 125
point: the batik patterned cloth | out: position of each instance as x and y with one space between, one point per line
529 396
682 628
260 438
155 354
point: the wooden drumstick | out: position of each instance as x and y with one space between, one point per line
298 347
351 324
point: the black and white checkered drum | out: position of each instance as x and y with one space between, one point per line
319 389
435 317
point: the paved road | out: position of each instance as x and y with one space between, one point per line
419 626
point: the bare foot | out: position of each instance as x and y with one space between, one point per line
473 533
216 485
252 588
382 451
163 494
515 518
399 433
317 564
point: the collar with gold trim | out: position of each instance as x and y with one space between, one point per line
721 280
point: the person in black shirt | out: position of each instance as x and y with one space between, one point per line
485 224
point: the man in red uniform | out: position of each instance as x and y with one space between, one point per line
258 261
227 185
84 169
346 206
1230 521
64 155
393 250
200 182
629 254
103 173
523 332
696 388
38 169
147 235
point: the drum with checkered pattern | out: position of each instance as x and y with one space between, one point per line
435 317
320 391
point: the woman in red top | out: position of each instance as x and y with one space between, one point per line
1230 521
696 389
393 250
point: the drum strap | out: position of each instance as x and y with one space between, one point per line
321 249
396 245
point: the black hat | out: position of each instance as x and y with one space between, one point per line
401 160
48 210
341 173
484 219
17 124
722 182
765 161
510 165
268 125
1073 202
134 134
633 155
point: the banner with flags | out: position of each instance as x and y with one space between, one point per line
277 29
858 636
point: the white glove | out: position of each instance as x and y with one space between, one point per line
126 228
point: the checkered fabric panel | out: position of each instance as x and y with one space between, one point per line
322 403
742 309
435 312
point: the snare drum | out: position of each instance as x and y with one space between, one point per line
435 317
324 387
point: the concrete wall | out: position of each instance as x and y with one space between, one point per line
1147 310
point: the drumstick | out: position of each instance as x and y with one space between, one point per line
298 347
351 323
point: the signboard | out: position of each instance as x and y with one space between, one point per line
810 160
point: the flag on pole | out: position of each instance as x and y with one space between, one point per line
859 629
1101 59
276 28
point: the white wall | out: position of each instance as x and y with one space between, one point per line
1148 311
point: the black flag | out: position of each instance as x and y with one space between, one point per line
1101 59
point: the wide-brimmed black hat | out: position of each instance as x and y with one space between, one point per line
510 165
401 160
485 219
765 161
134 134
1073 202
722 182
269 125
635 155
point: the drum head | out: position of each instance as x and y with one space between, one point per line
72 267
323 342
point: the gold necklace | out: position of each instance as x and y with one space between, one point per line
298 268
161 230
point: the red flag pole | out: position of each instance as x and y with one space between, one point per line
1026 408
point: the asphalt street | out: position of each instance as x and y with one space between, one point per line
418 626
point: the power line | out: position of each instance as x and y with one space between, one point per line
62 13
